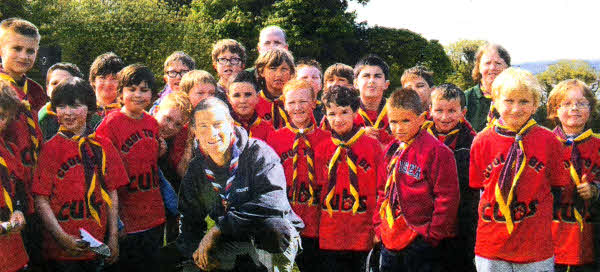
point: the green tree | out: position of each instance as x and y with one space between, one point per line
462 56
567 69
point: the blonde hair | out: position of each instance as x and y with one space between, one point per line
18 26
559 92
515 79
298 84
178 100
196 77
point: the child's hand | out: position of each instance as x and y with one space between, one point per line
586 190
74 245
17 219
113 244
373 132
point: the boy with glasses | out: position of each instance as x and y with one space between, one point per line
228 59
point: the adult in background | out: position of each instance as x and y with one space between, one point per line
240 183
270 37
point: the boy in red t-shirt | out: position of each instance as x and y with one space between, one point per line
76 188
371 75
419 79
418 201
337 74
135 135
103 78
296 146
570 105
514 161
13 256
274 69
349 166
243 98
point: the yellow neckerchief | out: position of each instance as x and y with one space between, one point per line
380 117
429 126
352 173
100 170
28 114
276 109
48 109
504 204
573 172
255 120
309 155
385 212
7 198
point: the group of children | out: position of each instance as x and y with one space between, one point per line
406 174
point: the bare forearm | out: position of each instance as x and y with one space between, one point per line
42 204
113 214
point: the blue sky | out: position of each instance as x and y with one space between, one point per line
531 30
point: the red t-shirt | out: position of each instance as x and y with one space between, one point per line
62 179
12 252
258 128
140 202
531 238
384 136
282 141
35 93
344 229
571 245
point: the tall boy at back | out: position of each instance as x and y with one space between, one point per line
447 110
135 135
418 202
371 75
515 162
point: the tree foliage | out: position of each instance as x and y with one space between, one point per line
567 69
462 56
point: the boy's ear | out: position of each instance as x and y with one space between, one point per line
387 85
165 78
464 111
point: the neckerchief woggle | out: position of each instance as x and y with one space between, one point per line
512 169
309 155
352 170
224 192
94 167
575 168
378 122
391 186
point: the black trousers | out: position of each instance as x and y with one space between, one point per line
419 256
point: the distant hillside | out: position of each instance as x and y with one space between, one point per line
540 66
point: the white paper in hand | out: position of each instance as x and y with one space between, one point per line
95 245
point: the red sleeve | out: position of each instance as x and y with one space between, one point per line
37 96
475 169
44 176
116 175
381 165
104 131
444 177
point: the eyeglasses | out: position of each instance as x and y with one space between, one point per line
232 61
174 74
577 105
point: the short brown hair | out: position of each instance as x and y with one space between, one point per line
339 70
230 45
449 91
298 84
180 101
106 64
19 26
135 74
502 52
407 99
64 66
194 77
417 71
273 58
558 93
179 56
9 101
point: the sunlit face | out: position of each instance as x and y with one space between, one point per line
276 78
311 75
213 129
490 66
54 78
515 107
243 98
170 121
299 105
72 117
18 53
446 114
404 123
371 83
272 39
419 85
336 80
200 92
178 69
574 111
136 98
5 118
340 118
106 89
225 66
